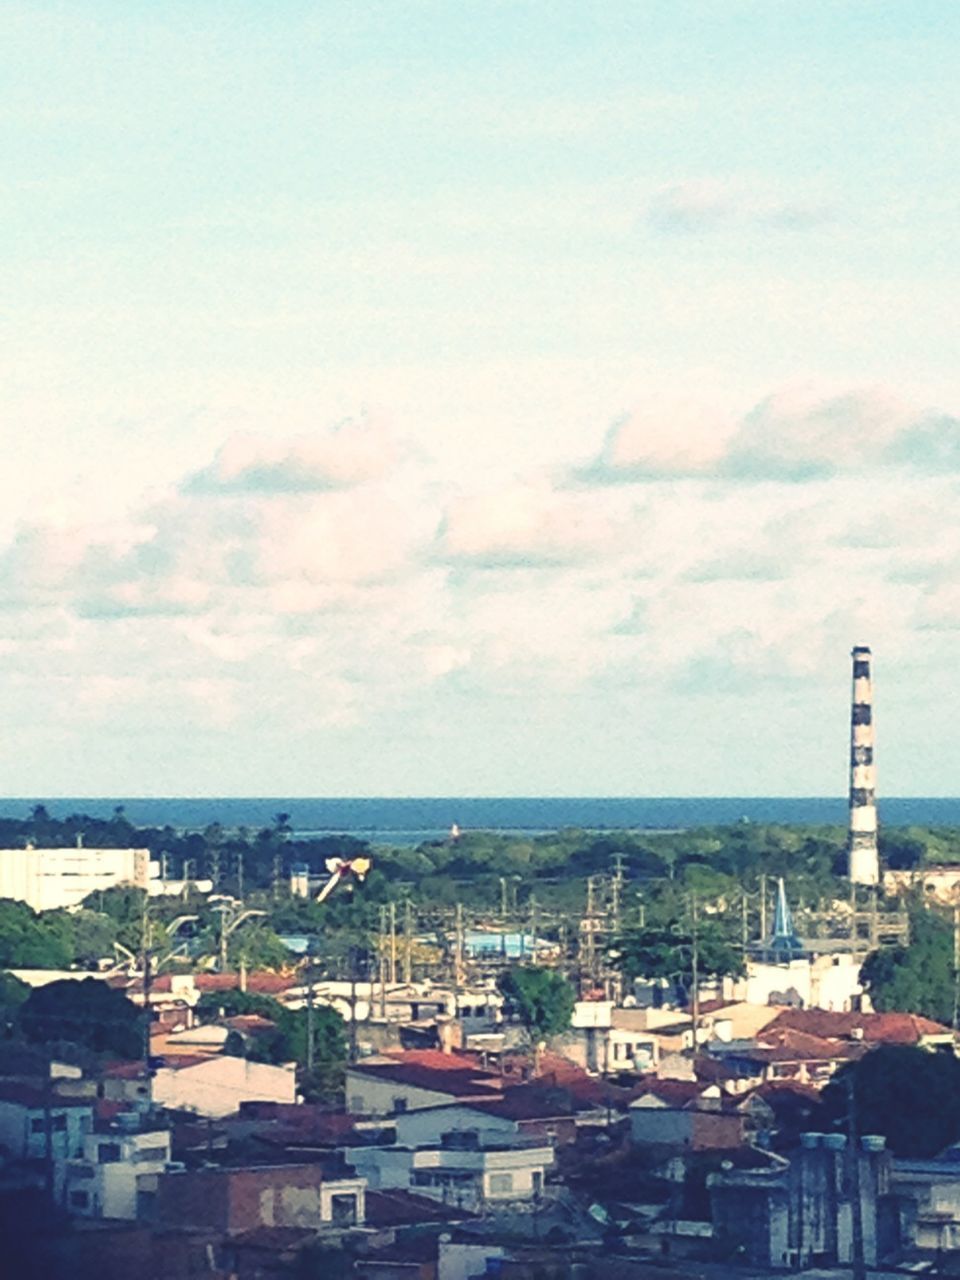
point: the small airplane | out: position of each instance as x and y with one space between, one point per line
343 869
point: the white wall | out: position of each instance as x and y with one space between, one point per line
463 1261
47 879
424 1127
369 1095
218 1086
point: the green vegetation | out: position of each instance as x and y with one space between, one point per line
289 1040
85 1012
920 978
673 953
542 999
910 1096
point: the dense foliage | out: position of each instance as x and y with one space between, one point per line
542 999
670 953
910 1096
920 978
85 1012
288 1040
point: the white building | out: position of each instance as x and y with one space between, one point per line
116 1177
217 1086
43 1129
48 879
466 1168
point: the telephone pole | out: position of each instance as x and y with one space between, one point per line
393 944
407 941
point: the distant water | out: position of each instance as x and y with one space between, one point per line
412 820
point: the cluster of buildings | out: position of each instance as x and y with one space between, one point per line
653 1138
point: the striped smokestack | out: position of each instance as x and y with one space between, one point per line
864 858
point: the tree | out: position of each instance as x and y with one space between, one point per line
917 979
542 999
288 1042
910 1096
85 1012
27 941
671 952
13 993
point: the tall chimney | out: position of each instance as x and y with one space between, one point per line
864 859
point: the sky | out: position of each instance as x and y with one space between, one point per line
501 398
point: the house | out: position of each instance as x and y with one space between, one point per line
216 1086
465 1169
116 1175
42 1129
417 1078
800 1212
244 1199
686 1114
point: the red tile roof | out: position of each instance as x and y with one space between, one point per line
35 1098
877 1028
462 1083
402 1208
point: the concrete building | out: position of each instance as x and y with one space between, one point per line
469 1168
116 1176
800 1212
864 859
243 1199
43 1129
429 1078
215 1086
49 879
683 1114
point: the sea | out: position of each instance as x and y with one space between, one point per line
411 820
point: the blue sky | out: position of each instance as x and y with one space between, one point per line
517 398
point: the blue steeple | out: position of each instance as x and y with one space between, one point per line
784 939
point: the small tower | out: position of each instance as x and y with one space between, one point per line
784 944
864 860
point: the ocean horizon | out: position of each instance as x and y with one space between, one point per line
410 820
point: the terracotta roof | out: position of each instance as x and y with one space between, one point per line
877 1028
402 1208
25 1095
437 1060
675 1093
464 1083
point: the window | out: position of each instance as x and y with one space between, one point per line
399 1105
356 1104
536 1182
501 1183
59 1123
36 1124
343 1211
79 1200
109 1153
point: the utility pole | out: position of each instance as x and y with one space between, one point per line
534 926
858 1262
147 983
240 874
353 1002
695 968
382 961
616 891
744 921
503 899
763 907
956 967
309 977
393 944
407 942
458 955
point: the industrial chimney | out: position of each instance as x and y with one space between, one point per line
863 856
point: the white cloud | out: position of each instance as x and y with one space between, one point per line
701 205
353 453
793 435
